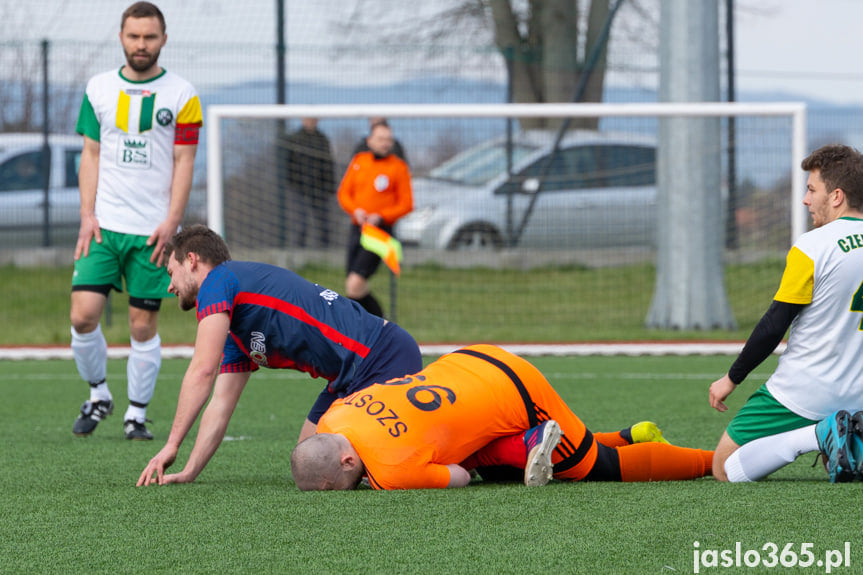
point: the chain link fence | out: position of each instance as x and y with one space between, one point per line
50 49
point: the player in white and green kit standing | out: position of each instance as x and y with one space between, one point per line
140 126
820 298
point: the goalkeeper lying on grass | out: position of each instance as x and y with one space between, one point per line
476 407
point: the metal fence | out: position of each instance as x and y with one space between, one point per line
44 73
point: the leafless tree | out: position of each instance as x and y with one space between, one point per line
545 44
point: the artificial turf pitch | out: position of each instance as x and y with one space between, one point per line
70 504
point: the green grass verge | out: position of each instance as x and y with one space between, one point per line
434 304
70 504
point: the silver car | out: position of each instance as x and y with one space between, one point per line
598 190
23 208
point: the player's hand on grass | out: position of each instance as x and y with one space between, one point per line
158 465
88 230
719 391
181 477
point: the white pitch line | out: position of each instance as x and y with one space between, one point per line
526 349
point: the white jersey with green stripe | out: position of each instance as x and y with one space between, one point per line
135 124
821 369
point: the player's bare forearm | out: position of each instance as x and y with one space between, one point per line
211 432
308 429
181 186
181 181
214 422
88 178
194 392
201 374
192 399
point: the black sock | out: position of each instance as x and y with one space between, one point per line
627 434
371 305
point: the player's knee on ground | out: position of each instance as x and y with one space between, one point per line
724 449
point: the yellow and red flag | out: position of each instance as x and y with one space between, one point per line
383 244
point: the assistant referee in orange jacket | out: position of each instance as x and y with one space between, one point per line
376 189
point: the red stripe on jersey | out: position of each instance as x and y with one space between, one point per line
219 307
241 367
303 316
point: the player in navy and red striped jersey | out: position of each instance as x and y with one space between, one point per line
252 315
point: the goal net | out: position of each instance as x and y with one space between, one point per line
521 231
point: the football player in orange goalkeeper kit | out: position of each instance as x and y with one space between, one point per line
478 406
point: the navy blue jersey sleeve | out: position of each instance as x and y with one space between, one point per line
217 292
216 295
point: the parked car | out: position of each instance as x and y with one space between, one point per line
599 190
22 194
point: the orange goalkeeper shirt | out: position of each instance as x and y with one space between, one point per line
406 431
378 186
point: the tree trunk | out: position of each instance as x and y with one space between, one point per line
546 64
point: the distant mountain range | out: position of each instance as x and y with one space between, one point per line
760 142
826 121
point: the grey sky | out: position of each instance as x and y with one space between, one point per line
808 47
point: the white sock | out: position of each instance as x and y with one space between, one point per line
90 351
734 470
142 369
761 457
135 413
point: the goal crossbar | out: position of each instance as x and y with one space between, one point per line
795 110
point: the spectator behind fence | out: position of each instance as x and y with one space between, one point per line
307 160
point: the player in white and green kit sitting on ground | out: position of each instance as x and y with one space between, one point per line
140 125
820 298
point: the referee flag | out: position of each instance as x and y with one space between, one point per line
383 244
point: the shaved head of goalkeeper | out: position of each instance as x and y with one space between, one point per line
326 462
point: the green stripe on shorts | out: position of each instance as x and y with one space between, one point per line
761 416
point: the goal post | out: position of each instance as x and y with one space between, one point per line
499 210
216 113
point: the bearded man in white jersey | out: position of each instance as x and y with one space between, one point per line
140 125
820 298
